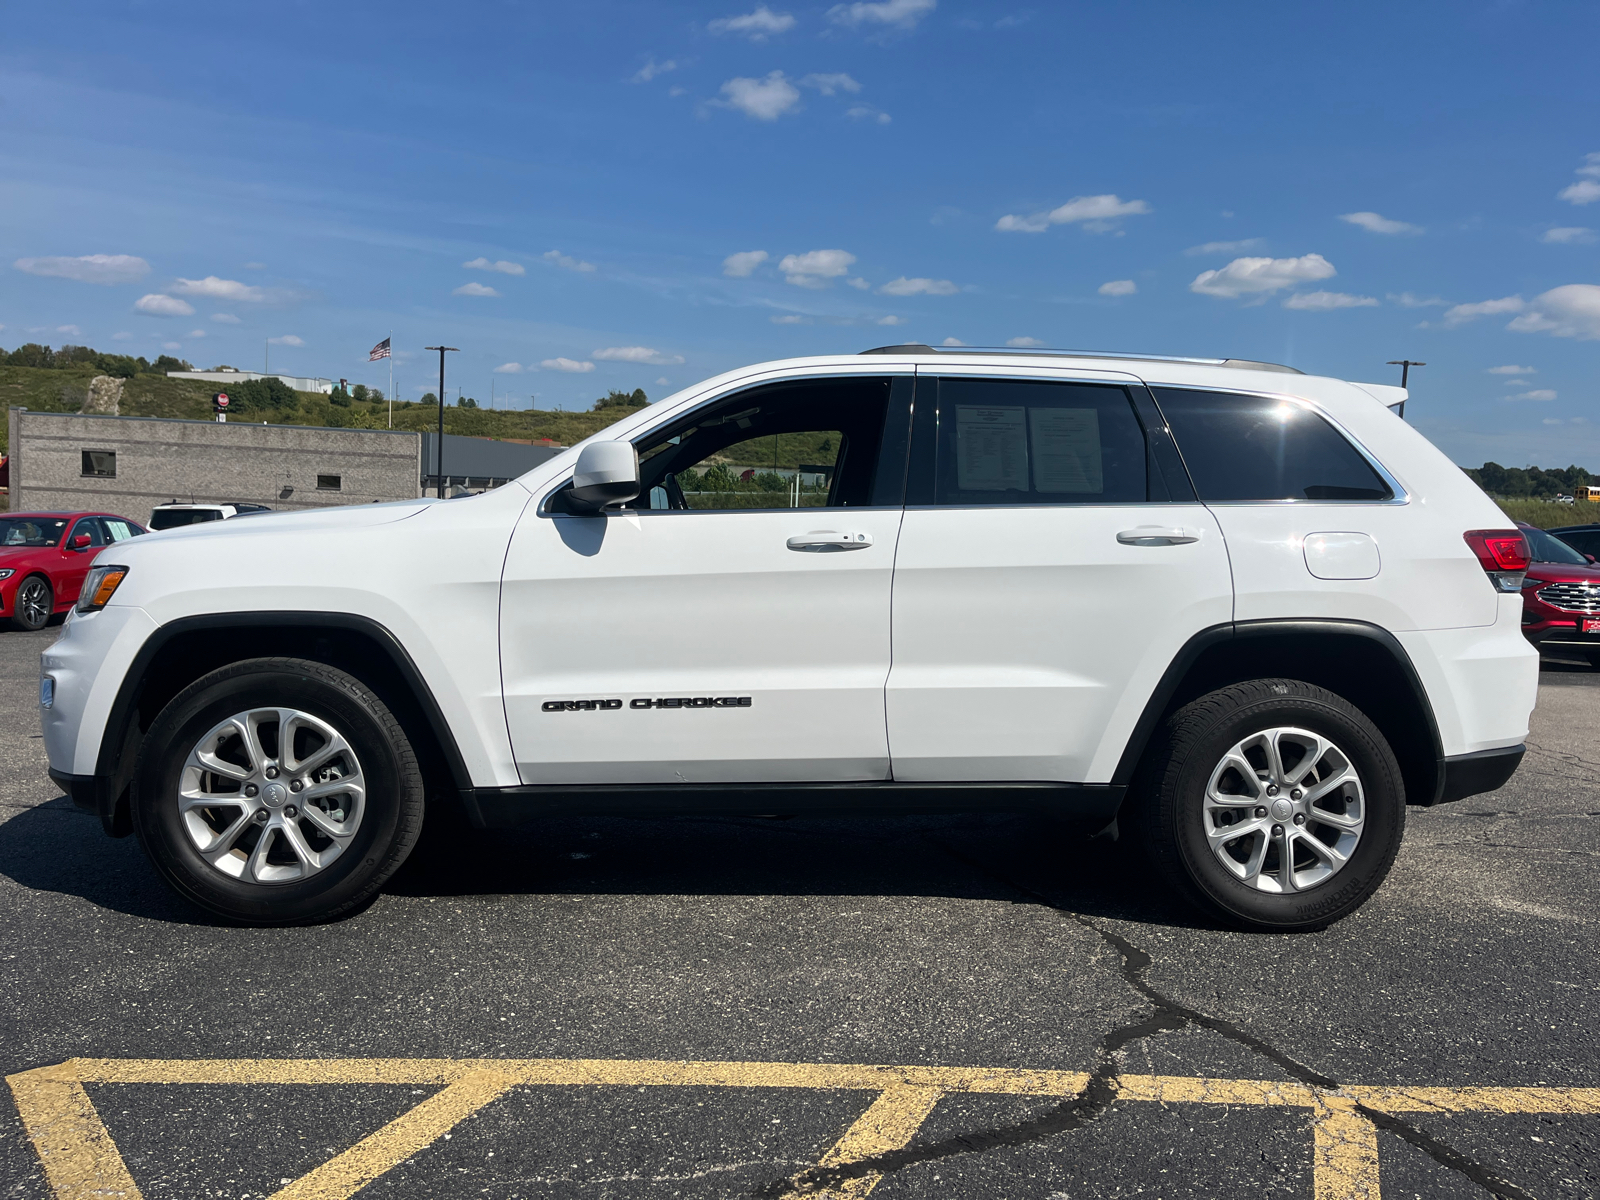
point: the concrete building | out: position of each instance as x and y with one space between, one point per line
128 465
478 464
300 383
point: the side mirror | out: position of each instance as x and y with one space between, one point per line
81 541
607 473
1590 557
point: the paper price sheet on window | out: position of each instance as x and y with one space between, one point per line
993 449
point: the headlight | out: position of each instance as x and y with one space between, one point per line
99 586
7 573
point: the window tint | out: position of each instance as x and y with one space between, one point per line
1260 448
1013 441
172 518
1585 541
33 532
809 444
92 527
1547 548
100 463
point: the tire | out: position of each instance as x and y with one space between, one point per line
1195 785
288 838
35 604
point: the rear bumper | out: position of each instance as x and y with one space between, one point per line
1473 774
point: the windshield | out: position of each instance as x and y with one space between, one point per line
30 531
1546 547
171 518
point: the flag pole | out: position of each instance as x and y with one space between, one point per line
391 379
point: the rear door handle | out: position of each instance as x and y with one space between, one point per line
825 541
1154 535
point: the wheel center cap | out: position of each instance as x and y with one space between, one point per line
274 794
1282 809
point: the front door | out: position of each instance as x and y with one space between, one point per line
1052 562
75 560
732 624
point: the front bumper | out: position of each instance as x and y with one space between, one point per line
1562 635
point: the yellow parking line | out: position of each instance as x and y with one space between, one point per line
82 1163
345 1175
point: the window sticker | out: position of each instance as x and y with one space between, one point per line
991 449
1066 450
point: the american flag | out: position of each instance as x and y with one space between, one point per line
381 350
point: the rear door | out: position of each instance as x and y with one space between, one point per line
732 625
1052 562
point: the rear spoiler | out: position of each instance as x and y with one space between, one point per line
1392 398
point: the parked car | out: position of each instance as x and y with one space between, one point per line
1561 597
173 515
1244 613
1585 539
45 556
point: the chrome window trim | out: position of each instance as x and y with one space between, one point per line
1401 496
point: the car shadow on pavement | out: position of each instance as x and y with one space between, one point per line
56 848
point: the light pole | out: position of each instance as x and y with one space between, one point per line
438 457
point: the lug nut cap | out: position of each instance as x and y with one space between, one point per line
251 789
296 785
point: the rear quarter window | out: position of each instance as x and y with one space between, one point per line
1240 448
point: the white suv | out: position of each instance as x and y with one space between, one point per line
1248 613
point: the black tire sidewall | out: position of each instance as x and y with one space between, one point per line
1384 799
179 728
49 607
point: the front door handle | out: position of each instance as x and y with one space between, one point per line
825 541
1154 535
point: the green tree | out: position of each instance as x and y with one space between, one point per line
770 481
167 363
718 478
359 392
429 398
262 395
339 398
466 402
31 355
616 399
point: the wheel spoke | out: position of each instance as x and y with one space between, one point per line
1222 834
1285 843
1338 779
339 831
309 858
222 844
353 784
1241 767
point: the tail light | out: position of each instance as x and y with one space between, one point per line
1504 555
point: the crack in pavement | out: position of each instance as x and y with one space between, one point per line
1100 1093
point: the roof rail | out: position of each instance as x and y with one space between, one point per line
1244 364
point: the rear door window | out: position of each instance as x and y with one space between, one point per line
119 530
1021 441
1241 448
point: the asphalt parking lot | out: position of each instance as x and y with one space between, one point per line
972 1007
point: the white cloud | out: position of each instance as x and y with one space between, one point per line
637 354
952 342
512 368
901 13
566 364
1568 235
1462 313
474 289
918 287
1225 247
287 339
501 265
1245 276
225 319
677 91
740 265
1408 300
652 68
865 112
115 337
1536 394
763 99
255 266
172 345
663 381
88 268
1572 310
1023 342
74 331
1325 301
891 320
830 85
791 319
1096 213
1512 369
860 284
219 289
1592 164
194 333
814 268
566 261
1118 287
758 26
157 305
1585 191
1373 223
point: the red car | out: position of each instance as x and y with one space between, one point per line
44 557
1561 597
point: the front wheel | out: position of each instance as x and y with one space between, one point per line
35 603
277 791
1275 804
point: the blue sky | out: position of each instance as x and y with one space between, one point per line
611 195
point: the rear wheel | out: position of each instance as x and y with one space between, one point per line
1274 803
36 601
277 792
